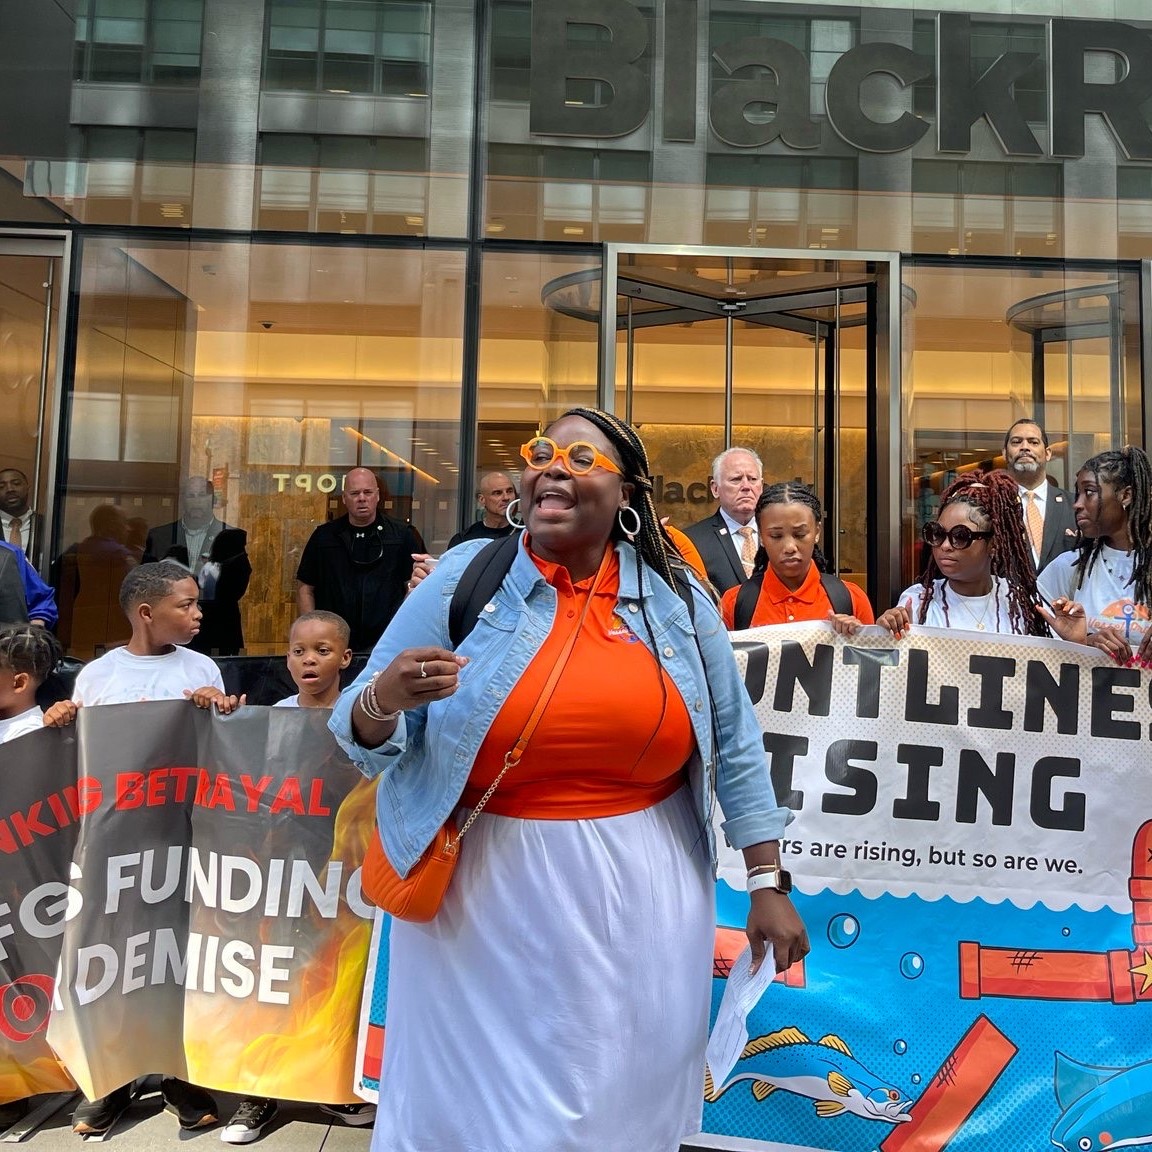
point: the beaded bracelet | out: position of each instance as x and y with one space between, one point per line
371 706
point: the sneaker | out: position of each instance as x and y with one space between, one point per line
95 1117
249 1121
192 1106
358 1115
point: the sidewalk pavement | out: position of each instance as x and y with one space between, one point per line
146 1127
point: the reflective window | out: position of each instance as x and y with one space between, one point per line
138 41
138 176
347 46
780 201
349 184
534 362
270 370
986 207
988 344
572 194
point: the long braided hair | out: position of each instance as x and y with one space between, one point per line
653 545
29 649
790 492
993 499
1123 468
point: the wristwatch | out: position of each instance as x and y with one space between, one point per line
775 878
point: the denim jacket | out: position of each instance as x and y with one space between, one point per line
424 766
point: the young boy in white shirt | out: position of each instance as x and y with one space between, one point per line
160 601
317 653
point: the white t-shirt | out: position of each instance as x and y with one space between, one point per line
21 725
121 678
988 613
288 702
1106 595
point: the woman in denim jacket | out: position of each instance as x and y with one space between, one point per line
559 999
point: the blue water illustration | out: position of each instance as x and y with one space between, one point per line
884 978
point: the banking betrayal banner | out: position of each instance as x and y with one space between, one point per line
972 851
194 881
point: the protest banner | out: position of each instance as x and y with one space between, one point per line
972 853
207 916
42 803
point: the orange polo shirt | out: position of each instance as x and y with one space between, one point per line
777 604
615 736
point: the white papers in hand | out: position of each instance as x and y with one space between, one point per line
730 1032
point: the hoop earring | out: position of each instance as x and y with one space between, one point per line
511 512
635 516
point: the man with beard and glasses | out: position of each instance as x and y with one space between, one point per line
1049 522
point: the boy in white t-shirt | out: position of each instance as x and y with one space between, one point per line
160 601
28 653
317 653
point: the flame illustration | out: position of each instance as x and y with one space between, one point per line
304 1050
40 1074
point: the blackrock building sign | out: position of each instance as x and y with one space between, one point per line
770 75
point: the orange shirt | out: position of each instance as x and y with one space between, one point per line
688 551
778 605
614 737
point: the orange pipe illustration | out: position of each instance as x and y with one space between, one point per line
1119 975
730 942
964 1079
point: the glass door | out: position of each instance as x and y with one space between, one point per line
715 349
1083 344
32 274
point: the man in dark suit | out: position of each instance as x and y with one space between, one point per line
1049 522
19 525
727 540
217 556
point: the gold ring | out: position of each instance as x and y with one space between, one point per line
423 674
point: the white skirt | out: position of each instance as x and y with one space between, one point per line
559 1001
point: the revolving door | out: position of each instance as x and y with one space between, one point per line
711 348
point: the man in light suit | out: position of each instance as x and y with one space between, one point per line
1049 522
216 553
727 540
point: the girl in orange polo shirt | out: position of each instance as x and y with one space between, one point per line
789 564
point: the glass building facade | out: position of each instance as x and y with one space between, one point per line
264 241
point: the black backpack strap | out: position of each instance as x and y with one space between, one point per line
478 583
746 602
684 591
837 592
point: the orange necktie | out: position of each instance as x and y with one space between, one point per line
747 548
1035 522
14 536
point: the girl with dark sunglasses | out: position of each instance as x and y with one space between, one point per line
980 575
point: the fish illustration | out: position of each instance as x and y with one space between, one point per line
1102 1107
825 1071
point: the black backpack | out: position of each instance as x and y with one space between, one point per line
834 587
484 575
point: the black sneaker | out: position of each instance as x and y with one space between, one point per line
192 1106
95 1117
249 1121
358 1115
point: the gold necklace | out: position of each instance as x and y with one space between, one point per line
987 598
